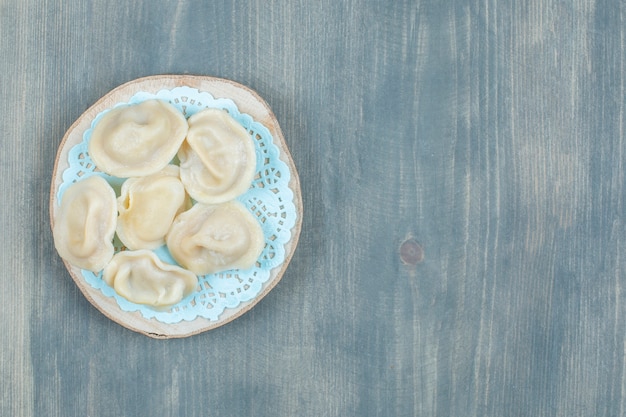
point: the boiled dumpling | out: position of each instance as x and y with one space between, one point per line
217 161
212 238
85 224
147 206
137 140
141 277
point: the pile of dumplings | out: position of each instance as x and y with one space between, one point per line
189 206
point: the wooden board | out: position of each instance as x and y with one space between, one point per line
490 133
247 102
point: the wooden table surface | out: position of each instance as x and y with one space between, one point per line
488 134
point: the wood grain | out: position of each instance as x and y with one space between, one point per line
490 132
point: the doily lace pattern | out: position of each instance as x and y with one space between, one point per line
269 199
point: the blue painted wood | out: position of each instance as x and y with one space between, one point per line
490 133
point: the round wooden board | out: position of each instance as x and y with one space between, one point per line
247 102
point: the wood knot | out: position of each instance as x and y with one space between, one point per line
411 252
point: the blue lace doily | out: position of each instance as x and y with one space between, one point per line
269 199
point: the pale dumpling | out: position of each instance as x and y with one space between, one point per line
147 206
137 140
218 160
142 278
213 238
85 224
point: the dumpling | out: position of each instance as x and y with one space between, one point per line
137 140
147 206
218 160
141 277
85 224
213 238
